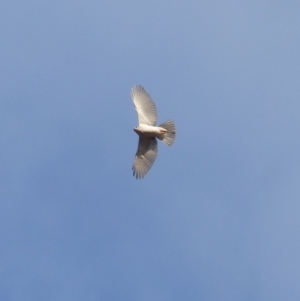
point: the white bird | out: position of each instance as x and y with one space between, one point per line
148 132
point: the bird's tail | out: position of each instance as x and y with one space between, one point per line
169 137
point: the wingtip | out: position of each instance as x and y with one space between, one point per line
137 89
137 175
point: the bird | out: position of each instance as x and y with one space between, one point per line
148 132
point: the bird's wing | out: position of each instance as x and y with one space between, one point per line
145 156
144 106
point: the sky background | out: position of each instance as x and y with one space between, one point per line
217 216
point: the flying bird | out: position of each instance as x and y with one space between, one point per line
148 132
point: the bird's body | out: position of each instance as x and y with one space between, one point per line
148 132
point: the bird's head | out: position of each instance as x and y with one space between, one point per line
137 129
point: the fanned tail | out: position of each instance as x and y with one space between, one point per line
169 136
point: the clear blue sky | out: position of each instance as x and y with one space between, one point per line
217 216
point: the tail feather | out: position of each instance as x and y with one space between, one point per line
169 137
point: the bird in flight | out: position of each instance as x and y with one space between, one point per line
148 132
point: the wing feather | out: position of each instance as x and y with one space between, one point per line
144 157
144 106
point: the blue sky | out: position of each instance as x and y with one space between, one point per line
217 216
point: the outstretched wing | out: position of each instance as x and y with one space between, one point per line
144 157
144 106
